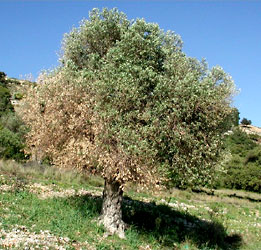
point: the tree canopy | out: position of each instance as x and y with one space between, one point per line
128 104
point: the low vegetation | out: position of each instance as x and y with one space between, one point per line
46 207
243 169
12 129
246 121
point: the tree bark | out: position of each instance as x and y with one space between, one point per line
111 215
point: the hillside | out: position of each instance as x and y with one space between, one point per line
242 166
46 208
12 128
250 129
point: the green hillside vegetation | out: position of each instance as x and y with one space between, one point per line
12 129
243 170
5 104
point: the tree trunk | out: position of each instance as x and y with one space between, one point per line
111 215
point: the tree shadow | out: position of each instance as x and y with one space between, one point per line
170 226
165 224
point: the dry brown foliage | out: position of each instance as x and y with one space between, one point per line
65 128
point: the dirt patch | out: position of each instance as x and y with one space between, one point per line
45 192
21 238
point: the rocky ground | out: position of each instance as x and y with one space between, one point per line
250 129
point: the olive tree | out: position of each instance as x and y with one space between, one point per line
128 104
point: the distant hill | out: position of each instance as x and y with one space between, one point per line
253 131
250 129
242 170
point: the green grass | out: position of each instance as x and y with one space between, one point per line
171 219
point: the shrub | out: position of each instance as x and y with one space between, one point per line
244 177
11 146
246 121
239 143
2 79
243 170
14 123
253 156
5 103
12 129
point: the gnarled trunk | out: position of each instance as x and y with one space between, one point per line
111 215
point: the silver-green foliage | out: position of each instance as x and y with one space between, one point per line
156 105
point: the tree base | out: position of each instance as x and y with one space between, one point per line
111 216
113 228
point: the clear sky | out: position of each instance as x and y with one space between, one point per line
226 33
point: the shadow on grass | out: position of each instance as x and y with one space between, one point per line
170 226
165 224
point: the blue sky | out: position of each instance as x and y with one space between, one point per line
226 33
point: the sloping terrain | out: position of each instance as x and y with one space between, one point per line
45 208
250 129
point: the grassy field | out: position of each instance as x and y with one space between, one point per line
45 208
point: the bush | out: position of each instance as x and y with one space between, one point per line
243 170
12 129
2 79
239 143
254 156
5 103
244 177
11 146
246 121
14 123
